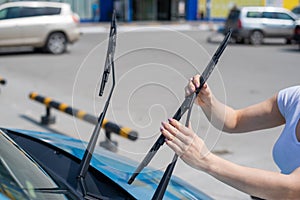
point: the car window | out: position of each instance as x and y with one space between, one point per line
283 16
8 184
277 15
21 177
253 14
32 12
10 13
3 14
29 12
51 11
269 15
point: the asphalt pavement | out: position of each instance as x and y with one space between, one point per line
153 63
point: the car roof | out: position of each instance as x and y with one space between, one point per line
35 4
264 8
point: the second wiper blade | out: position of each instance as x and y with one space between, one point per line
183 108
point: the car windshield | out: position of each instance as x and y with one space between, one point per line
21 177
296 10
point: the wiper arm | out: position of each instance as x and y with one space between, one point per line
184 106
163 184
109 64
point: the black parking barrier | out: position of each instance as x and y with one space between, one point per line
107 125
2 81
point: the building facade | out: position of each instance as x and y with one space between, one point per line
164 10
218 9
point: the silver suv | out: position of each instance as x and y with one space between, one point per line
253 24
43 25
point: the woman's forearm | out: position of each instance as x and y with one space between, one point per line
220 115
256 182
262 115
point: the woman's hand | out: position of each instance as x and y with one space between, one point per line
256 182
204 97
186 144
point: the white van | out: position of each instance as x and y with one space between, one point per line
253 24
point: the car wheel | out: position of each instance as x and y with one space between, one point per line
256 37
288 41
240 40
56 43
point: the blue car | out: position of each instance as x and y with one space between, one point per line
37 165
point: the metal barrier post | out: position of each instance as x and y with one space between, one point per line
48 118
2 81
108 143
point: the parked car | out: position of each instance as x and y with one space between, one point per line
296 36
296 10
36 165
253 24
48 26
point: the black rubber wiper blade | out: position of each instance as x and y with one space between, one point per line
49 190
109 65
109 61
184 106
163 184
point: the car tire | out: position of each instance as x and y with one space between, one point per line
56 43
256 37
288 41
240 40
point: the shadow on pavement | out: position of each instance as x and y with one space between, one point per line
47 128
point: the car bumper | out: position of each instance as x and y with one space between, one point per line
74 35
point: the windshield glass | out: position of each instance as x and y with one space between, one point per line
21 178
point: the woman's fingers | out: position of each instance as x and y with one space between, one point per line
204 94
174 142
185 143
180 127
177 130
193 83
190 88
178 137
204 91
196 80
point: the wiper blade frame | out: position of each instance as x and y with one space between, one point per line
184 106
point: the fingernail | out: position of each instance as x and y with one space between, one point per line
170 120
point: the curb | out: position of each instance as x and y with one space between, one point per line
150 27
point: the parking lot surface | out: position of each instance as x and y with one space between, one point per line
152 66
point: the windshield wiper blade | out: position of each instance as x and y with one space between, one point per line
109 65
163 184
184 106
109 62
49 190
